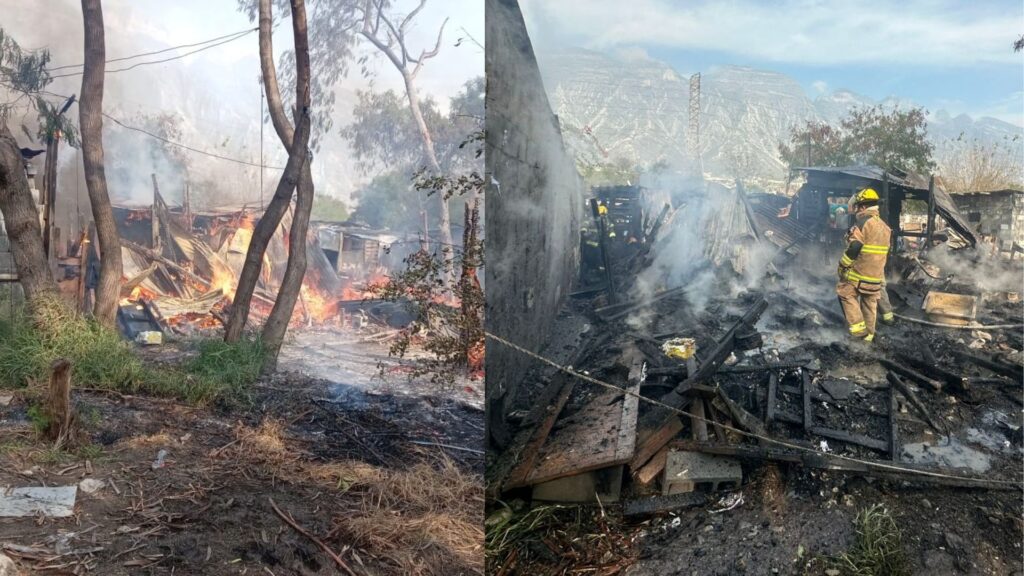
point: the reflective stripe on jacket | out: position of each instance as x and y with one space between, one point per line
874 235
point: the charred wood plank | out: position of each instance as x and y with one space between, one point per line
900 385
805 389
894 443
656 504
769 411
651 432
518 459
1010 371
865 467
912 374
851 438
698 427
956 382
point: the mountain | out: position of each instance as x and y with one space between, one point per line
637 110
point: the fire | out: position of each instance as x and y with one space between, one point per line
224 281
318 307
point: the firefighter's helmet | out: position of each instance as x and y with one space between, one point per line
866 196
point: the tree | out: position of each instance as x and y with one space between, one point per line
816 144
91 122
1018 44
276 326
389 37
24 73
387 202
385 141
973 166
889 138
297 175
22 222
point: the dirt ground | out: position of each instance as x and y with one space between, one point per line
365 474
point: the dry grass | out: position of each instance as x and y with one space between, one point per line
773 490
426 519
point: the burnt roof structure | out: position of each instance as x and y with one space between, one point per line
894 186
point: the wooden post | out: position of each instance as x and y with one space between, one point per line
154 218
188 207
49 190
60 418
931 213
341 248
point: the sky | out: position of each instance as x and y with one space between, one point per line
217 90
940 54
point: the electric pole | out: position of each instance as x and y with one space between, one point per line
693 132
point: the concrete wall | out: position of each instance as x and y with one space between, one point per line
534 206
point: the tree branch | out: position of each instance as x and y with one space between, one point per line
425 55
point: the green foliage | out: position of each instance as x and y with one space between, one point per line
388 202
816 144
40 421
878 548
451 333
616 173
100 358
24 72
890 138
887 137
329 209
233 366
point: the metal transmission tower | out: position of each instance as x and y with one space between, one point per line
693 133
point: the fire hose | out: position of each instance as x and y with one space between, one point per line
964 327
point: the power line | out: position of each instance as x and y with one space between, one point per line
189 148
172 142
178 57
132 57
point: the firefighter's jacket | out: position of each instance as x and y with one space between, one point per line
867 249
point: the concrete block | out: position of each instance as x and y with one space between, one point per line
685 471
584 488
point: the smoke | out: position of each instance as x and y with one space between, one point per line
980 268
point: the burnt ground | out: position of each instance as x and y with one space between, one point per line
344 466
792 518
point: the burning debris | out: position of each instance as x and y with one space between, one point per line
181 269
714 351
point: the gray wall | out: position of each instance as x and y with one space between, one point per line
534 206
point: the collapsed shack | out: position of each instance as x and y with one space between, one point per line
726 356
181 268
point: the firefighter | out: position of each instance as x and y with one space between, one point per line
885 306
862 266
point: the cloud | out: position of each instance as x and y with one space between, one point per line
820 86
916 32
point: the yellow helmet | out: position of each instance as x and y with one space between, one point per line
866 195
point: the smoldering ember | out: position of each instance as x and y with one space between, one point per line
673 385
240 333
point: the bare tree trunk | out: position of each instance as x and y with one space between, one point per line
22 222
444 221
393 45
91 124
291 285
296 141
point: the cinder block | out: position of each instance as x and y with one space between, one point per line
684 471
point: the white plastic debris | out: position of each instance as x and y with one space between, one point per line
824 446
676 522
52 501
91 485
160 461
729 502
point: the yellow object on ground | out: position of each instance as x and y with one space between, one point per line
680 348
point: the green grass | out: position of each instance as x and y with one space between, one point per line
101 358
878 548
